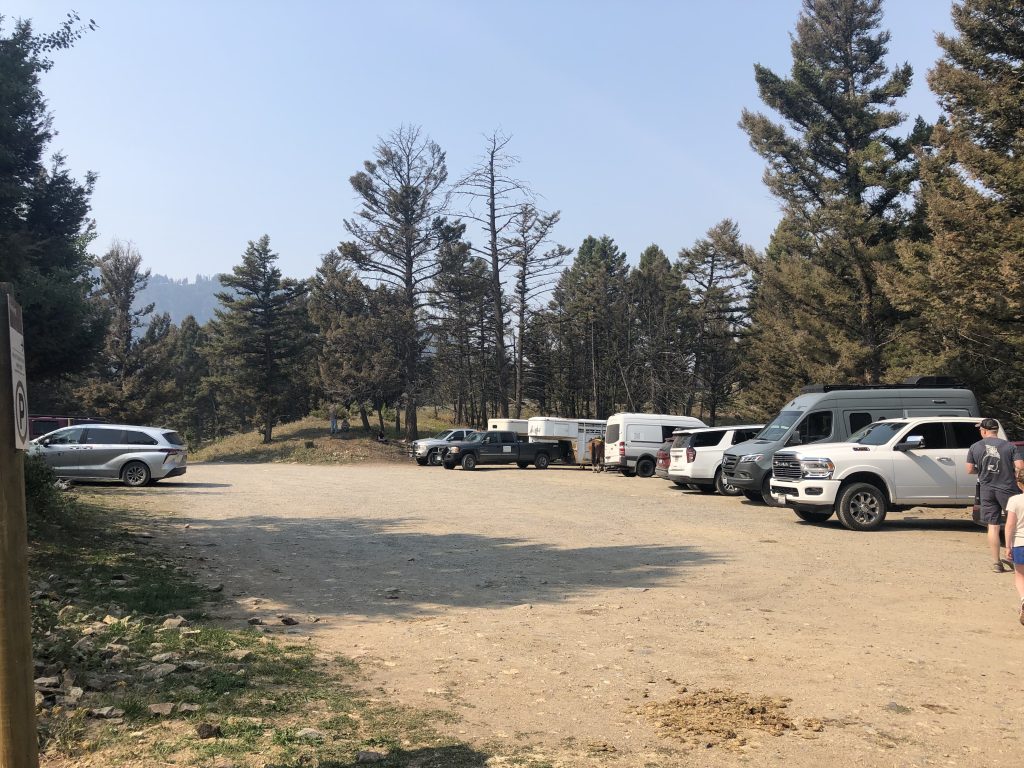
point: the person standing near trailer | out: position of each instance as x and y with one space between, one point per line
995 461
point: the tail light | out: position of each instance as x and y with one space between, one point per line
622 448
171 452
691 455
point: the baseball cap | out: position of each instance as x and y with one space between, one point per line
990 424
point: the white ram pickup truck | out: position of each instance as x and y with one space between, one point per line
890 465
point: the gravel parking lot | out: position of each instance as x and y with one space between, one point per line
562 612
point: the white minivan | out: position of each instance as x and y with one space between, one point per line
632 440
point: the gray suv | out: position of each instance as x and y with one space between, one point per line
134 455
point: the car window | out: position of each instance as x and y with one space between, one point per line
817 426
681 440
508 437
858 420
933 432
742 435
134 437
67 437
705 439
879 433
779 426
666 432
613 433
95 436
965 434
173 438
456 436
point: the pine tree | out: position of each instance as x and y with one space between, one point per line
660 329
396 234
842 177
260 340
717 272
590 331
965 286
45 228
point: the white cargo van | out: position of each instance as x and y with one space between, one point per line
570 433
632 440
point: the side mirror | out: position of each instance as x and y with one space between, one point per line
45 442
912 443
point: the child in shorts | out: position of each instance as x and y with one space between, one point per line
1014 535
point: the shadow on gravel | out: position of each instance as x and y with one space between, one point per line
897 524
380 567
458 756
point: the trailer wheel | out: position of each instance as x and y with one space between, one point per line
541 462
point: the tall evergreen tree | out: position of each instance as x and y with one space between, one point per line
660 329
260 339
396 234
536 262
590 336
717 272
843 178
130 379
45 228
965 285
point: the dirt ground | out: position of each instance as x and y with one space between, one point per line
562 612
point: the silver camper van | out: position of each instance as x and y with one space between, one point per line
831 413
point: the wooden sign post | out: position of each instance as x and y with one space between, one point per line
18 742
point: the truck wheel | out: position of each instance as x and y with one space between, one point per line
522 464
469 461
861 507
645 467
421 462
434 458
766 494
541 462
723 486
813 515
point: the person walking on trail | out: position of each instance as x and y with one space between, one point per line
596 446
995 461
332 414
1015 540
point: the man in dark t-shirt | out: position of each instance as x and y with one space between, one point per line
995 462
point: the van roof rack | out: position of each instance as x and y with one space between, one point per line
913 382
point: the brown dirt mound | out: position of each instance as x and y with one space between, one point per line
717 717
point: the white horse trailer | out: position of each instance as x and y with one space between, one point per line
571 433
519 426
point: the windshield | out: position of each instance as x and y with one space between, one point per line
879 433
779 426
442 435
476 437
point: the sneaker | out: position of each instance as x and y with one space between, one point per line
998 567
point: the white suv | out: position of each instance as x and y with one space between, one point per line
889 465
696 456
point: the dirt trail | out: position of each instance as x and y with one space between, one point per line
550 609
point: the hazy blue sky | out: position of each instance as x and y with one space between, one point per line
211 123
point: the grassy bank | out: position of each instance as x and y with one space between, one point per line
132 672
309 441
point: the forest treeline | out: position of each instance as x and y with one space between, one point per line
899 251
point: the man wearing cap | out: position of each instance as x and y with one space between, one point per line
995 462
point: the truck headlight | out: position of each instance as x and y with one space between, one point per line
817 469
453 449
751 458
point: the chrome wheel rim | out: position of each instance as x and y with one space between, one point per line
864 507
135 475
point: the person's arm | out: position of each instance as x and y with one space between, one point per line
971 469
1009 531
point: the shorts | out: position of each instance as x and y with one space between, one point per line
993 502
1017 553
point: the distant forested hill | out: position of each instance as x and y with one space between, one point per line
183 297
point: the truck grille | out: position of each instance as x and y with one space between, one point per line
729 464
786 465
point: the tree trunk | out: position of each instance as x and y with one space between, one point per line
364 417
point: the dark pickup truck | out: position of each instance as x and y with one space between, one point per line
499 448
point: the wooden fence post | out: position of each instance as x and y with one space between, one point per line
18 740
